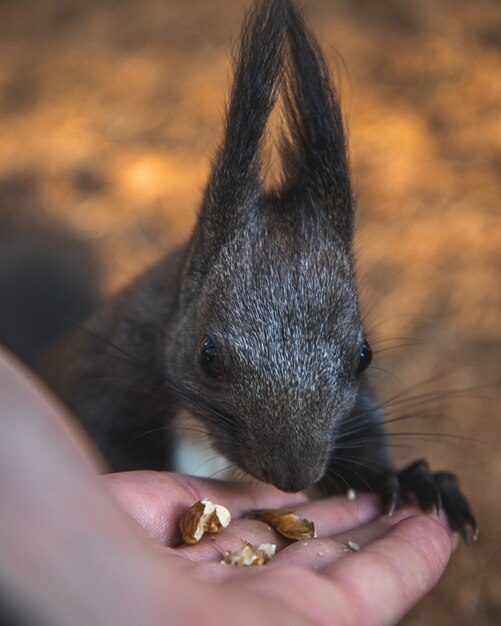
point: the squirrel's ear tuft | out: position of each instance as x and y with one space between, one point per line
314 151
259 67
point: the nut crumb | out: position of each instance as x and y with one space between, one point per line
353 546
250 555
351 494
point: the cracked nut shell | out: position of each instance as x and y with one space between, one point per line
203 517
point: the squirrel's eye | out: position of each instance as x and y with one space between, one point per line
209 358
365 358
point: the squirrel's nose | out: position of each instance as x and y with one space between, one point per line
291 484
291 477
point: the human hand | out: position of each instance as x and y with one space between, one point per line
71 556
320 580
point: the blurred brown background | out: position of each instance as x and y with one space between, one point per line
110 110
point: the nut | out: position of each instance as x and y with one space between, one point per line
204 516
286 522
250 555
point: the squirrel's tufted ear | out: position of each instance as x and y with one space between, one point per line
314 152
235 177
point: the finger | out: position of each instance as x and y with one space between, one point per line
389 575
157 500
319 553
376 586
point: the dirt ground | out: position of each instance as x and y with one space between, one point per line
110 110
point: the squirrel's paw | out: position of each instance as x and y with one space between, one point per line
432 490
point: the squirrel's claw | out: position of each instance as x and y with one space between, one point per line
432 490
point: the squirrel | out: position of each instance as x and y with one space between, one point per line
253 326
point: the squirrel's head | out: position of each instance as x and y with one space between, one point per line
268 329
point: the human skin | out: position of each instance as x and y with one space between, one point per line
81 548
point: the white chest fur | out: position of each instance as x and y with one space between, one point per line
194 454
